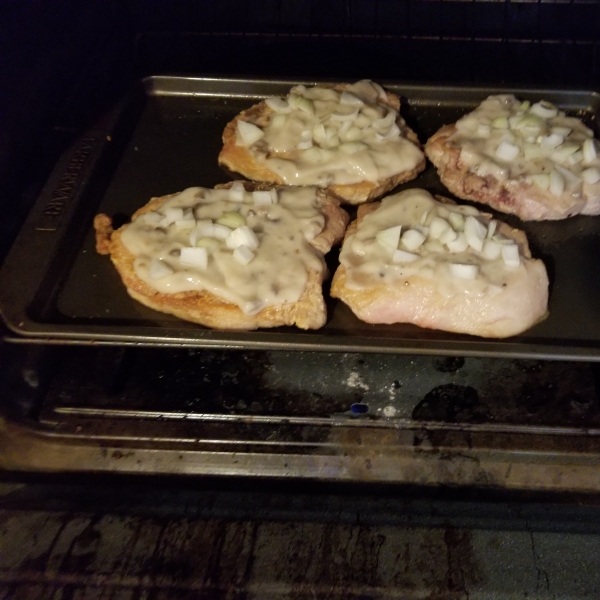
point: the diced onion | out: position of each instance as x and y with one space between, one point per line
542 180
557 183
400 256
210 243
231 219
151 217
172 214
448 236
552 141
242 236
475 233
389 238
392 132
564 131
463 271
243 254
278 105
352 134
532 151
529 123
544 109
569 176
262 197
412 239
575 158
491 249
237 191
304 104
491 229
305 145
248 133
589 151
274 195
159 269
460 244
221 232
563 152
500 123
386 122
510 255
507 151
457 221
591 175
185 223
345 116
437 227
195 257
350 99
484 130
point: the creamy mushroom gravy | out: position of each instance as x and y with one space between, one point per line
277 273
347 143
368 263
502 126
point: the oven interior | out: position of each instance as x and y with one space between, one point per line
478 421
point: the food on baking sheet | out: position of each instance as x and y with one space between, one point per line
526 159
348 139
414 259
239 257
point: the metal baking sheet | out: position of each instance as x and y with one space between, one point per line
166 137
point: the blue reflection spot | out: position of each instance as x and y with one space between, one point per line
359 408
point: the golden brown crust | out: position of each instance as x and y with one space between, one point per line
240 160
518 197
202 307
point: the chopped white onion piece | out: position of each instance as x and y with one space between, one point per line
484 130
463 271
185 223
448 236
344 127
345 116
278 121
510 255
231 219
532 151
386 122
542 180
237 191
304 104
221 232
306 135
313 155
352 147
557 183
172 214
460 244
352 134
551 141
563 152
507 151
274 195
400 256
278 105
575 158
350 99
437 227
242 236
158 269
500 123
529 123
210 243
544 109
392 132
491 249
502 239
248 133
412 239
423 218
457 221
475 233
195 257
564 131
525 105
514 121
389 238
243 254
305 145
591 175
151 217
590 152
262 197
569 176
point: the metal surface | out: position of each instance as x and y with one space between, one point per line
488 423
54 285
